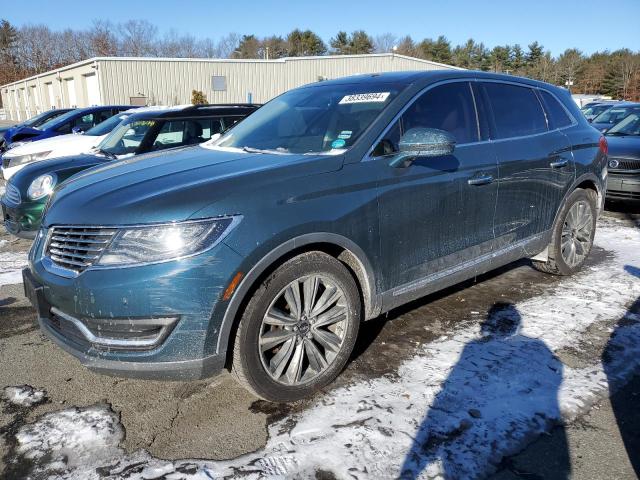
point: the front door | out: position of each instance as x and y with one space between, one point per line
436 214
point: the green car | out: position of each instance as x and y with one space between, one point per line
28 191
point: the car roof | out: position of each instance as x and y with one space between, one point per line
427 77
195 111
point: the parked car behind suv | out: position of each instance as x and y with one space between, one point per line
150 130
614 115
59 146
34 121
623 182
593 109
74 121
265 249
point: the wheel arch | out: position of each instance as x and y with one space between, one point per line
345 250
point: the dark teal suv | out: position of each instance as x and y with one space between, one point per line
263 250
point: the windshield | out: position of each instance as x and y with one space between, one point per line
613 115
55 122
106 126
628 126
320 119
596 110
126 137
42 117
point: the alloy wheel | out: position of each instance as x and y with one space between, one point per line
303 330
576 233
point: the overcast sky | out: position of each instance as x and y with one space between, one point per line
588 25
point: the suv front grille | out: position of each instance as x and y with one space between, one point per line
76 248
12 194
625 163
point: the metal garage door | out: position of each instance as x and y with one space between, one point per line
93 91
71 92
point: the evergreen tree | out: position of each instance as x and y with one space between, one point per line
302 44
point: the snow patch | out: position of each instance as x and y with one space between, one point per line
11 265
72 439
24 395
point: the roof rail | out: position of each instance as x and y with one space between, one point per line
222 105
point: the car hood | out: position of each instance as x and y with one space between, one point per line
173 186
69 144
625 147
61 167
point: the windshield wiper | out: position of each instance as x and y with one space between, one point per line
107 153
618 134
259 150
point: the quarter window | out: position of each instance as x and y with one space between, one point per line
516 110
556 114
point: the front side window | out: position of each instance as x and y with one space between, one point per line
516 110
556 114
85 122
127 137
322 119
448 107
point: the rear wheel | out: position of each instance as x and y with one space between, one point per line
298 329
573 234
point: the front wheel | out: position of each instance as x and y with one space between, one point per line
573 234
298 329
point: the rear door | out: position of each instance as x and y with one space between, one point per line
436 214
535 163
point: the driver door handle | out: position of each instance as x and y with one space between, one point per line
480 180
559 163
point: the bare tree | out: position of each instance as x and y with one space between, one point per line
228 44
102 40
138 38
384 43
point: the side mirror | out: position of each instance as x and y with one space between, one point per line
77 130
423 142
590 119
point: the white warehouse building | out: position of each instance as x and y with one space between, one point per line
170 81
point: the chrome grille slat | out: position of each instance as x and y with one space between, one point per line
77 240
12 194
626 163
76 248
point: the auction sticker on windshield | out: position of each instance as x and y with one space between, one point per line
365 98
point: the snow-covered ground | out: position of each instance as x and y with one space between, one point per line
455 408
11 265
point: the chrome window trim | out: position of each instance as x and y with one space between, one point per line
51 267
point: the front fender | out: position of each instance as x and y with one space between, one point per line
372 299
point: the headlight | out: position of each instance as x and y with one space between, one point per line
41 187
22 159
157 243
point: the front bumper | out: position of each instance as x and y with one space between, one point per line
188 291
24 220
623 186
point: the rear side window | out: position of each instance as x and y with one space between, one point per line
556 114
516 110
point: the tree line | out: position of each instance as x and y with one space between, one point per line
33 49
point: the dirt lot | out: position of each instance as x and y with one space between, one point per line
215 419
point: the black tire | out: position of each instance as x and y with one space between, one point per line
556 263
248 366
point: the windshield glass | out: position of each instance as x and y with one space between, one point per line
106 126
628 126
320 119
596 110
126 138
55 122
41 118
613 115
